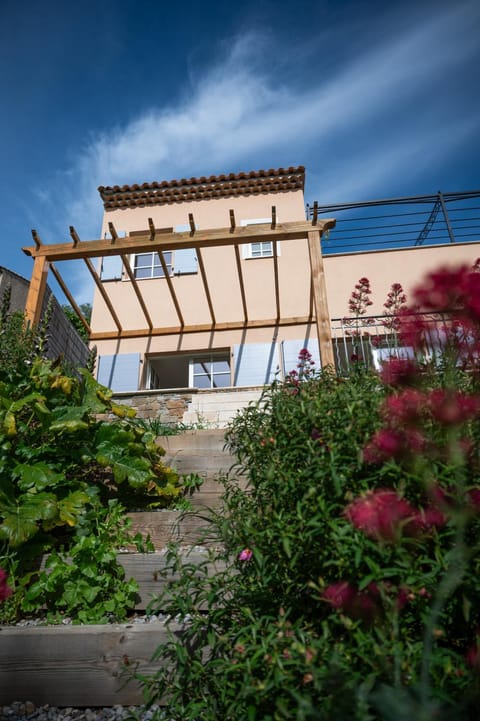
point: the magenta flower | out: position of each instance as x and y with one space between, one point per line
399 372
473 655
473 498
449 408
383 515
345 597
340 595
245 555
5 590
405 408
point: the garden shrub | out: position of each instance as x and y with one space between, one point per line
351 586
67 474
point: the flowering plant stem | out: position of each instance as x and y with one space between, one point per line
460 557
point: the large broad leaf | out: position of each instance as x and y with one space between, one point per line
69 413
64 383
114 449
137 471
39 476
9 425
113 435
22 520
70 419
95 396
29 399
72 506
68 426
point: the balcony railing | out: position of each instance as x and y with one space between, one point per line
372 340
401 222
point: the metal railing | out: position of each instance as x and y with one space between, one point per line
411 221
372 340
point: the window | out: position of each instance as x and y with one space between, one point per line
147 265
210 372
262 248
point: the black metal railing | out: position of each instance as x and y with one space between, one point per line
390 223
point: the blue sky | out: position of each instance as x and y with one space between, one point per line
376 99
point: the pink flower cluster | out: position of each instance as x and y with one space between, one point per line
399 372
360 298
395 304
386 516
5 590
366 604
451 291
405 414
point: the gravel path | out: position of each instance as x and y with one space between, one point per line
27 711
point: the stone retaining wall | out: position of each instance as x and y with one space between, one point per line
168 406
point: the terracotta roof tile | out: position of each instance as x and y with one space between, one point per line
215 186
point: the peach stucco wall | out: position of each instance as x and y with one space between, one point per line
406 266
342 271
220 267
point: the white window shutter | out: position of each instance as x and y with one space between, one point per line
111 268
291 349
255 364
184 261
119 372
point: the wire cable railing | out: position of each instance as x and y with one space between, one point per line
414 221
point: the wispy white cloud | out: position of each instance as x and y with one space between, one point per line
240 114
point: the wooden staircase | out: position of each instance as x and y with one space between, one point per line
201 452
82 666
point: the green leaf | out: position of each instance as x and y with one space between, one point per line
72 506
73 426
95 397
22 521
39 476
137 471
286 546
9 424
29 399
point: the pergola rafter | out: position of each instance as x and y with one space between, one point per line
160 240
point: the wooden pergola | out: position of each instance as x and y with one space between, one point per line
160 240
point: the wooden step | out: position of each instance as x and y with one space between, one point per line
171 526
147 568
83 666
88 665
77 665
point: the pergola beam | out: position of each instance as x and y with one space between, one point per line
166 273
36 291
275 273
142 242
201 328
320 300
242 284
201 265
103 293
136 288
161 240
70 298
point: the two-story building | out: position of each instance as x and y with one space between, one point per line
217 283
218 315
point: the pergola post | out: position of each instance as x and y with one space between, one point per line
36 291
320 302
